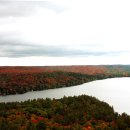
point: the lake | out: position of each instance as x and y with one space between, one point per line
114 91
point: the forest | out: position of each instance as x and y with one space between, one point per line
18 80
69 113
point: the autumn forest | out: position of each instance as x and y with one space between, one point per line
15 80
69 113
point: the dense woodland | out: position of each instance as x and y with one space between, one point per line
15 80
69 113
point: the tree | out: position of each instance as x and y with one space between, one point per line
41 125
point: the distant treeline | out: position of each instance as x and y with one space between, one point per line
15 80
69 113
20 83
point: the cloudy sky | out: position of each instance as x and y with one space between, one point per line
64 32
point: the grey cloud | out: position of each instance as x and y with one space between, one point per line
17 49
14 47
14 9
23 8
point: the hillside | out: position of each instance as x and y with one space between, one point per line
69 113
15 80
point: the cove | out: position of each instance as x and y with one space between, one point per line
114 91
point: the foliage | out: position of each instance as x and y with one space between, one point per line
15 80
69 113
72 113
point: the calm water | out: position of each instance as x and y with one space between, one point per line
115 91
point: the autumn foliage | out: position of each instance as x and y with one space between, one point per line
15 80
69 113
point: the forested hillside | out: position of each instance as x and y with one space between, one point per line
15 80
69 113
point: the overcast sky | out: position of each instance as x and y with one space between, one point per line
64 32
